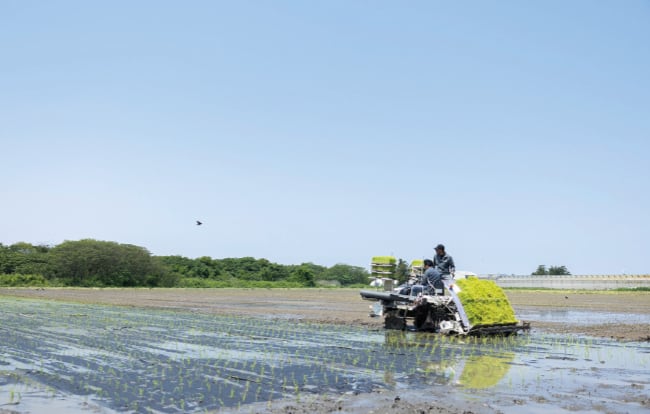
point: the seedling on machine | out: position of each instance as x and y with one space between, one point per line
467 306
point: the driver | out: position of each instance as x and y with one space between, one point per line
431 277
444 263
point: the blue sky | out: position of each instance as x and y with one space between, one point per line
516 133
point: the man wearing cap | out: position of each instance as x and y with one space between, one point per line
444 264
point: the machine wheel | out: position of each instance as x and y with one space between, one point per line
421 315
393 321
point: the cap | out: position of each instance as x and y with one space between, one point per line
440 246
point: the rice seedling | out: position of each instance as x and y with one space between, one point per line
178 362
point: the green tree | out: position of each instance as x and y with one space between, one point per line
10 259
552 270
304 275
274 272
346 274
176 265
91 262
24 258
244 268
558 270
318 270
402 271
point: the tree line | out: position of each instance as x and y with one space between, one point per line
552 270
96 263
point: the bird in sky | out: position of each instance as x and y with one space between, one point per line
198 223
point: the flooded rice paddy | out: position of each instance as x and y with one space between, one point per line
71 357
582 317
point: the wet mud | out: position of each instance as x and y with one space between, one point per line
194 351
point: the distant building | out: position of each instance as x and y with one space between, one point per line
464 274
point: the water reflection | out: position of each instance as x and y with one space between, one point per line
582 317
475 363
485 371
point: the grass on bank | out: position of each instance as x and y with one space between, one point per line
35 281
30 280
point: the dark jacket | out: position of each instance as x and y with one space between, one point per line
444 264
432 277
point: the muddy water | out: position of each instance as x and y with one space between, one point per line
117 359
582 317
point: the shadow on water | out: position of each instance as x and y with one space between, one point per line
143 360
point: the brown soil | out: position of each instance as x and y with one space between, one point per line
618 302
344 306
379 402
